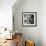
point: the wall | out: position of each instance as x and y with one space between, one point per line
43 22
33 33
6 13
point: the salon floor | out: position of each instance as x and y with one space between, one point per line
9 43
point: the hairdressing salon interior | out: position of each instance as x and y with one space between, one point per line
22 22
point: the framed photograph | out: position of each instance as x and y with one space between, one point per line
29 19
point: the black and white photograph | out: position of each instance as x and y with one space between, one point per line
29 19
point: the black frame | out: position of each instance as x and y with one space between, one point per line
35 19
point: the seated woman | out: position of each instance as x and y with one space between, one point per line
18 39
